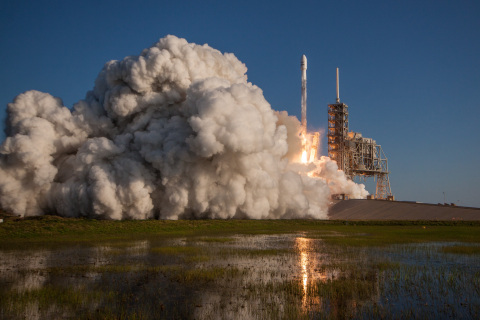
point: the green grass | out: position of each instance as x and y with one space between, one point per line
67 299
54 302
188 254
215 240
15 233
97 300
108 268
459 249
384 235
353 271
256 252
199 276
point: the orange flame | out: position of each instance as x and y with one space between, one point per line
310 147
304 156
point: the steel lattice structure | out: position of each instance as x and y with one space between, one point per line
357 156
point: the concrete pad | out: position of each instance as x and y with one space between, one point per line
399 210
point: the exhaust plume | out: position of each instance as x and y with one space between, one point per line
176 132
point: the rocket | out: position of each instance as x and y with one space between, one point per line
303 67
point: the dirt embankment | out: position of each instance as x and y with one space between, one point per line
398 210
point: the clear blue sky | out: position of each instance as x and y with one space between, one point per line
409 70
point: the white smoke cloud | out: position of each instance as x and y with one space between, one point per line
176 132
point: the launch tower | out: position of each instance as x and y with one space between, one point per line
357 156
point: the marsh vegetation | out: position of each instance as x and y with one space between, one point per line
74 268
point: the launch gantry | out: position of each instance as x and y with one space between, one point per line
355 155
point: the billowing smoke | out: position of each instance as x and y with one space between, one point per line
176 132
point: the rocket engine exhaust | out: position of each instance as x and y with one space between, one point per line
175 132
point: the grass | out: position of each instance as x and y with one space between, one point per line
102 269
252 253
199 276
384 235
345 269
461 249
187 254
122 292
175 250
215 240
44 297
56 302
15 233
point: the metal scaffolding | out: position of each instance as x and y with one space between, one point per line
355 155
337 133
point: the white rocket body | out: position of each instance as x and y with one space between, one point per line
303 66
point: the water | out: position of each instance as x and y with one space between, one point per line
244 277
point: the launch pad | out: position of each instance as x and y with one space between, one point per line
358 157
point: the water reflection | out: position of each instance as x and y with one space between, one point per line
15 270
313 271
248 277
328 284
302 246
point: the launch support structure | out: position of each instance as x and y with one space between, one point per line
357 156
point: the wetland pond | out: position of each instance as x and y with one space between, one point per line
283 276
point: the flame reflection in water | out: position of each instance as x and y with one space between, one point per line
312 262
303 247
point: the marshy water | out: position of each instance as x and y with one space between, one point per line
243 277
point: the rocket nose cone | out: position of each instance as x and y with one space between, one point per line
304 62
